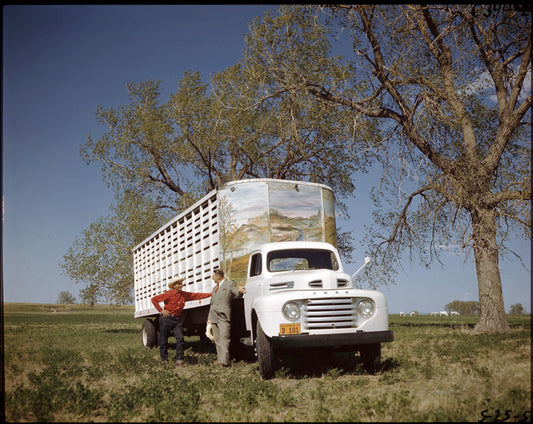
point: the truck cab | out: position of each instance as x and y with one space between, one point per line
299 297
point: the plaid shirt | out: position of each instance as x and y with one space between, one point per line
175 300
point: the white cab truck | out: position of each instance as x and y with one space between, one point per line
276 238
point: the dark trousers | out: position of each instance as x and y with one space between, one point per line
168 325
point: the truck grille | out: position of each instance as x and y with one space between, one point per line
329 313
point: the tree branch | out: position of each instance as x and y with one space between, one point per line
494 199
444 57
402 219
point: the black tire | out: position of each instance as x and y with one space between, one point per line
371 357
265 354
149 334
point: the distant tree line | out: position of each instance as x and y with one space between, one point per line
65 298
464 308
472 307
516 309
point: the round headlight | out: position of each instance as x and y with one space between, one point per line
365 308
291 311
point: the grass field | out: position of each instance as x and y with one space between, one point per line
75 364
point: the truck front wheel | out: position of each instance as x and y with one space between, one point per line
265 353
371 357
149 333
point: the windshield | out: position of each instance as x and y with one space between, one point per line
298 259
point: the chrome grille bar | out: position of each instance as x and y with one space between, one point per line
329 313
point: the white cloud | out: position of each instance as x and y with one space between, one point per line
447 246
484 84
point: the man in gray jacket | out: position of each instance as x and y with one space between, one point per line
220 314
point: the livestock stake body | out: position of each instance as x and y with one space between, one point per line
277 238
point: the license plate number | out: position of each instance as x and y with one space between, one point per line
288 329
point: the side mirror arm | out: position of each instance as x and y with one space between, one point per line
367 261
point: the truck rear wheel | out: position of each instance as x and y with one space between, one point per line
149 333
371 356
265 353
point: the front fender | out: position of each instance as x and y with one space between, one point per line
268 311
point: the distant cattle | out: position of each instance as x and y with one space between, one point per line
443 313
412 313
402 314
434 314
454 313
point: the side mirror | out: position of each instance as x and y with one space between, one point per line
367 261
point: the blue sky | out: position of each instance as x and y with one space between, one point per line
61 62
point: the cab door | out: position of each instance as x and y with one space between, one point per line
254 285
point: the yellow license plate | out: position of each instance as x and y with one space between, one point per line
288 329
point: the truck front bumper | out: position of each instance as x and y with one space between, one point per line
331 340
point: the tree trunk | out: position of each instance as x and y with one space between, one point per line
492 317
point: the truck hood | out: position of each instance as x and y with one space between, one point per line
308 280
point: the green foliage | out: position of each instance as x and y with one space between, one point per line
516 309
282 53
65 298
180 405
463 307
50 392
100 258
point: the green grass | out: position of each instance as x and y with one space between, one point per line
79 364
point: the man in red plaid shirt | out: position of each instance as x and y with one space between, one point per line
170 319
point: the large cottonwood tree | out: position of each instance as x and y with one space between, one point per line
448 86
166 154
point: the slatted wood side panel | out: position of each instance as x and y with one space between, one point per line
187 246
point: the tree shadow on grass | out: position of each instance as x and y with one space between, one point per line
389 364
